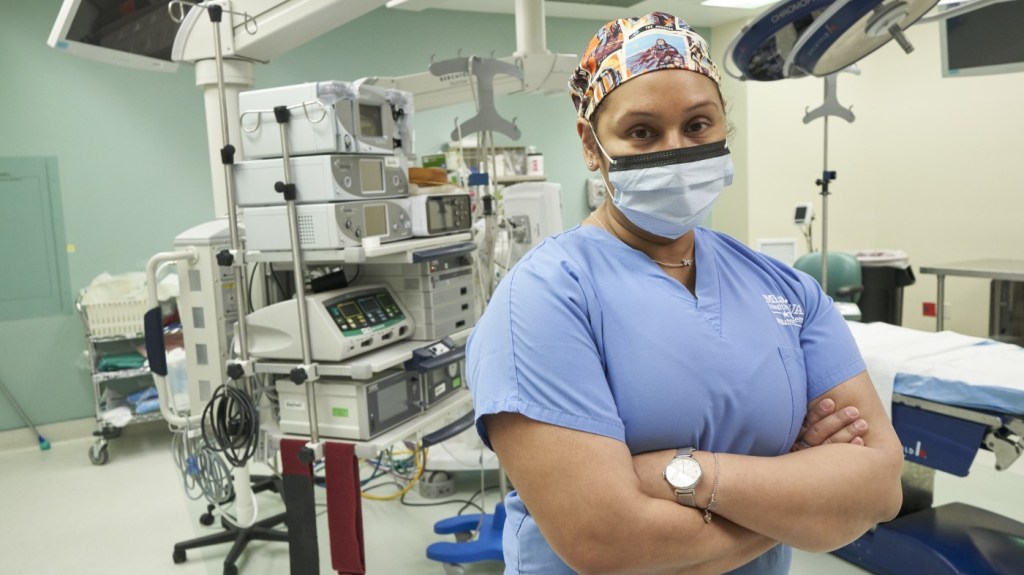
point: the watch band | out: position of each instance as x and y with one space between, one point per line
685 496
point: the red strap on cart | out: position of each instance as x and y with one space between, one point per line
344 508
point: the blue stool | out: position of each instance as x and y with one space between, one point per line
486 546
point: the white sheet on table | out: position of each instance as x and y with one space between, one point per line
946 367
886 348
901 343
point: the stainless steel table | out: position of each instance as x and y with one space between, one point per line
993 269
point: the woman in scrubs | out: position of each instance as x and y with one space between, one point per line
663 398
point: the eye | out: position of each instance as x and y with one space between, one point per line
640 133
697 126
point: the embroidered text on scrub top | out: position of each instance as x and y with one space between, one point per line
785 313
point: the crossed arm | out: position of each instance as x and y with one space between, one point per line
605 511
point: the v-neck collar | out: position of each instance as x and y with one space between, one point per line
707 302
707 286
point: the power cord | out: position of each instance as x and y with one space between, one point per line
230 424
201 469
420 456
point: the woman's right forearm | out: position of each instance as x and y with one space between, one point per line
584 494
686 544
745 546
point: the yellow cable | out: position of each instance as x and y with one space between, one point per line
412 482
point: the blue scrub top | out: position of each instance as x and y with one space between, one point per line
588 333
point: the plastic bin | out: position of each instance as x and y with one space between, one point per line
884 274
116 318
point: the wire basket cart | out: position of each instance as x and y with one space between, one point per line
113 330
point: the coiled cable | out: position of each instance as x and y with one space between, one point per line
203 472
231 423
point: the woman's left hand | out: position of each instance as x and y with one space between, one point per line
826 424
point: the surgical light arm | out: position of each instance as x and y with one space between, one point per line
261 30
268 29
544 73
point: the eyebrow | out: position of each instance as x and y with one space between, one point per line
646 115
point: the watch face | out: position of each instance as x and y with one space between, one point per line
683 473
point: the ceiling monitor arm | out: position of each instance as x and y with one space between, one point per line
542 71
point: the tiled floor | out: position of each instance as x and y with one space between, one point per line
61 514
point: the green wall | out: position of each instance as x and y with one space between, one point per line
131 148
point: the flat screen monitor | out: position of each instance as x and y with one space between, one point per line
984 41
134 33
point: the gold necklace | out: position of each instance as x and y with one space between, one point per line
681 264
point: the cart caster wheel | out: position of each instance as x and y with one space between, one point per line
454 569
206 519
230 569
99 455
178 556
463 536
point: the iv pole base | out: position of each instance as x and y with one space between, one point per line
240 536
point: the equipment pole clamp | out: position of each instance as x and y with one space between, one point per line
311 453
305 373
231 258
238 368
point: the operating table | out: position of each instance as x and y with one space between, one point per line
951 395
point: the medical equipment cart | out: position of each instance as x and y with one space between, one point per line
114 329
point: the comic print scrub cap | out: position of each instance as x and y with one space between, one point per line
628 47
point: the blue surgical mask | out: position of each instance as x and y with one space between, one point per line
669 193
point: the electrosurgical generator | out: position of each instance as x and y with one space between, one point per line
342 324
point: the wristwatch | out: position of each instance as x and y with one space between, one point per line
683 474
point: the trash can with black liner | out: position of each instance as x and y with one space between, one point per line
884 274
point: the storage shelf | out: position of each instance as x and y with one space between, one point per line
519 179
446 411
362 366
103 376
113 338
146 417
394 252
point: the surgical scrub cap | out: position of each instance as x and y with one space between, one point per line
625 48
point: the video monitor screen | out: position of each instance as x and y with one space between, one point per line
371 121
